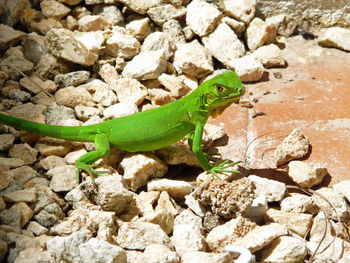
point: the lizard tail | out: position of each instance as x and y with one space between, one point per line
72 133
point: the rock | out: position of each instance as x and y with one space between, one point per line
50 215
321 226
145 201
6 141
74 96
12 64
141 6
237 26
51 162
306 175
90 23
138 168
17 215
165 202
270 56
193 59
226 199
93 40
74 78
242 10
206 257
335 37
96 250
63 178
159 253
146 65
46 197
261 236
228 233
6 176
159 97
296 222
163 218
105 96
187 234
224 44
37 229
295 146
343 187
336 199
33 47
49 146
195 205
285 249
10 163
63 44
54 9
24 152
259 33
157 41
298 203
162 13
172 28
59 115
19 95
212 133
202 17
9 36
248 68
175 188
109 12
130 91
26 195
109 193
139 235
121 44
120 110
34 254
85 113
285 25
272 190
139 28
177 154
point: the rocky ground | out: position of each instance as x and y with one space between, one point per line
74 62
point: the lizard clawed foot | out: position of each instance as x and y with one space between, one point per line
89 168
222 168
211 156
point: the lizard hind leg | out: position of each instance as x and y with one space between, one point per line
87 161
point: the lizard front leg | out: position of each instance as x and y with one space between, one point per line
87 161
195 143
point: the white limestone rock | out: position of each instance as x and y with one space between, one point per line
193 59
335 37
157 41
272 190
285 249
146 65
270 56
172 28
226 234
54 9
224 44
175 188
306 175
242 10
139 235
24 152
73 96
202 17
162 13
104 96
139 28
174 84
343 187
90 23
206 257
63 44
294 146
120 110
336 199
84 113
130 90
248 68
9 36
74 78
298 203
109 193
138 168
237 26
259 33
121 44
298 223
93 40
285 25
28 195
159 253
141 6
109 12
63 178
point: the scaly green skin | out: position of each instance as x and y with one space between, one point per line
152 129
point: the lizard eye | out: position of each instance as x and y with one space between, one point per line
219 88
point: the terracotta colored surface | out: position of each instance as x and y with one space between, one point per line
313 95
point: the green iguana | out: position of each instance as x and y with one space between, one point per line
151 129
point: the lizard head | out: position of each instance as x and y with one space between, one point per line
221 91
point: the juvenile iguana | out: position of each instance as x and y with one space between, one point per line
151 129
